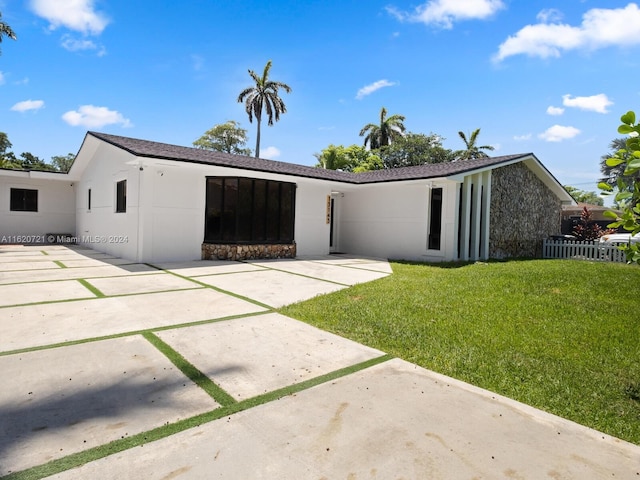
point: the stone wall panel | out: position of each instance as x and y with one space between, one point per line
216 251
524 211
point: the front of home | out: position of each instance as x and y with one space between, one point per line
152 202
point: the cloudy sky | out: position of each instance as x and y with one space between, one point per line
550 77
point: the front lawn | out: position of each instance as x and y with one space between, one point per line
563 336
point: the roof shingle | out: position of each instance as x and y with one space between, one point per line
146 148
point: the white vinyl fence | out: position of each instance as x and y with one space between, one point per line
582 251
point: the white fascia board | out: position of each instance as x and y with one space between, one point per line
536 167
36 174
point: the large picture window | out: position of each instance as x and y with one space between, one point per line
23 200
249 210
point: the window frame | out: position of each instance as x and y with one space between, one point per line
121 196
249 211
434 233
23 204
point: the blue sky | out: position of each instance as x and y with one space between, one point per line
548 77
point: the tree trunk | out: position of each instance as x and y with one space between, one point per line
258 138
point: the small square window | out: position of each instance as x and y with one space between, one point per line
121 196
24 200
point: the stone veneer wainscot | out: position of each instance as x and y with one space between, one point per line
213 251
523 213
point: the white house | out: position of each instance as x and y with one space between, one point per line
151 202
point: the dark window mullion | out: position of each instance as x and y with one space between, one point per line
251 208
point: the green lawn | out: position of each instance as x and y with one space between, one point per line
563 336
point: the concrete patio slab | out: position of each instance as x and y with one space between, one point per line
16 250
46 324
154 282
85 401
32 257
81 261
43 292
271 287
377 264
75 273
283 352
200 268
393 420
331 273
52 255
33 265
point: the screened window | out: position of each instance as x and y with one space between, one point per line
23 200
435 219
249 210
121 196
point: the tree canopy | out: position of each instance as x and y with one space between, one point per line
6 31
583 196
612 173
354 158
263 95
28 161
415 149
226 137
627 189
384 133
472 150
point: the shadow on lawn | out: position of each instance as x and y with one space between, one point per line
69 419
461 264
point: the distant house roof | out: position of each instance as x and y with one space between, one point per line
149 149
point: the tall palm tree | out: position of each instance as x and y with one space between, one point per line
386 132
5 30
472 151
263 94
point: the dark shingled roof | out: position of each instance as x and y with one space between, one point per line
146 148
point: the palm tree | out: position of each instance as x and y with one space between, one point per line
263 94
5 30
390 129
472 151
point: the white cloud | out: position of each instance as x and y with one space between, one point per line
369 89
78 15
1 78
27 105
520 138
551 110
75 45
557 133
594 103
549 15
600 28
444 13
269 153
90 116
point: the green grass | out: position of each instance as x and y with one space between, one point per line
563 336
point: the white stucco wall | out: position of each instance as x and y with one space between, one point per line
169 224
391 220
101 228
56 213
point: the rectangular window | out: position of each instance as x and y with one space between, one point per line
121 196
249 210
89 199
435 219
23 200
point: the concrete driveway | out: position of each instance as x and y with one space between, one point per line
114 370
